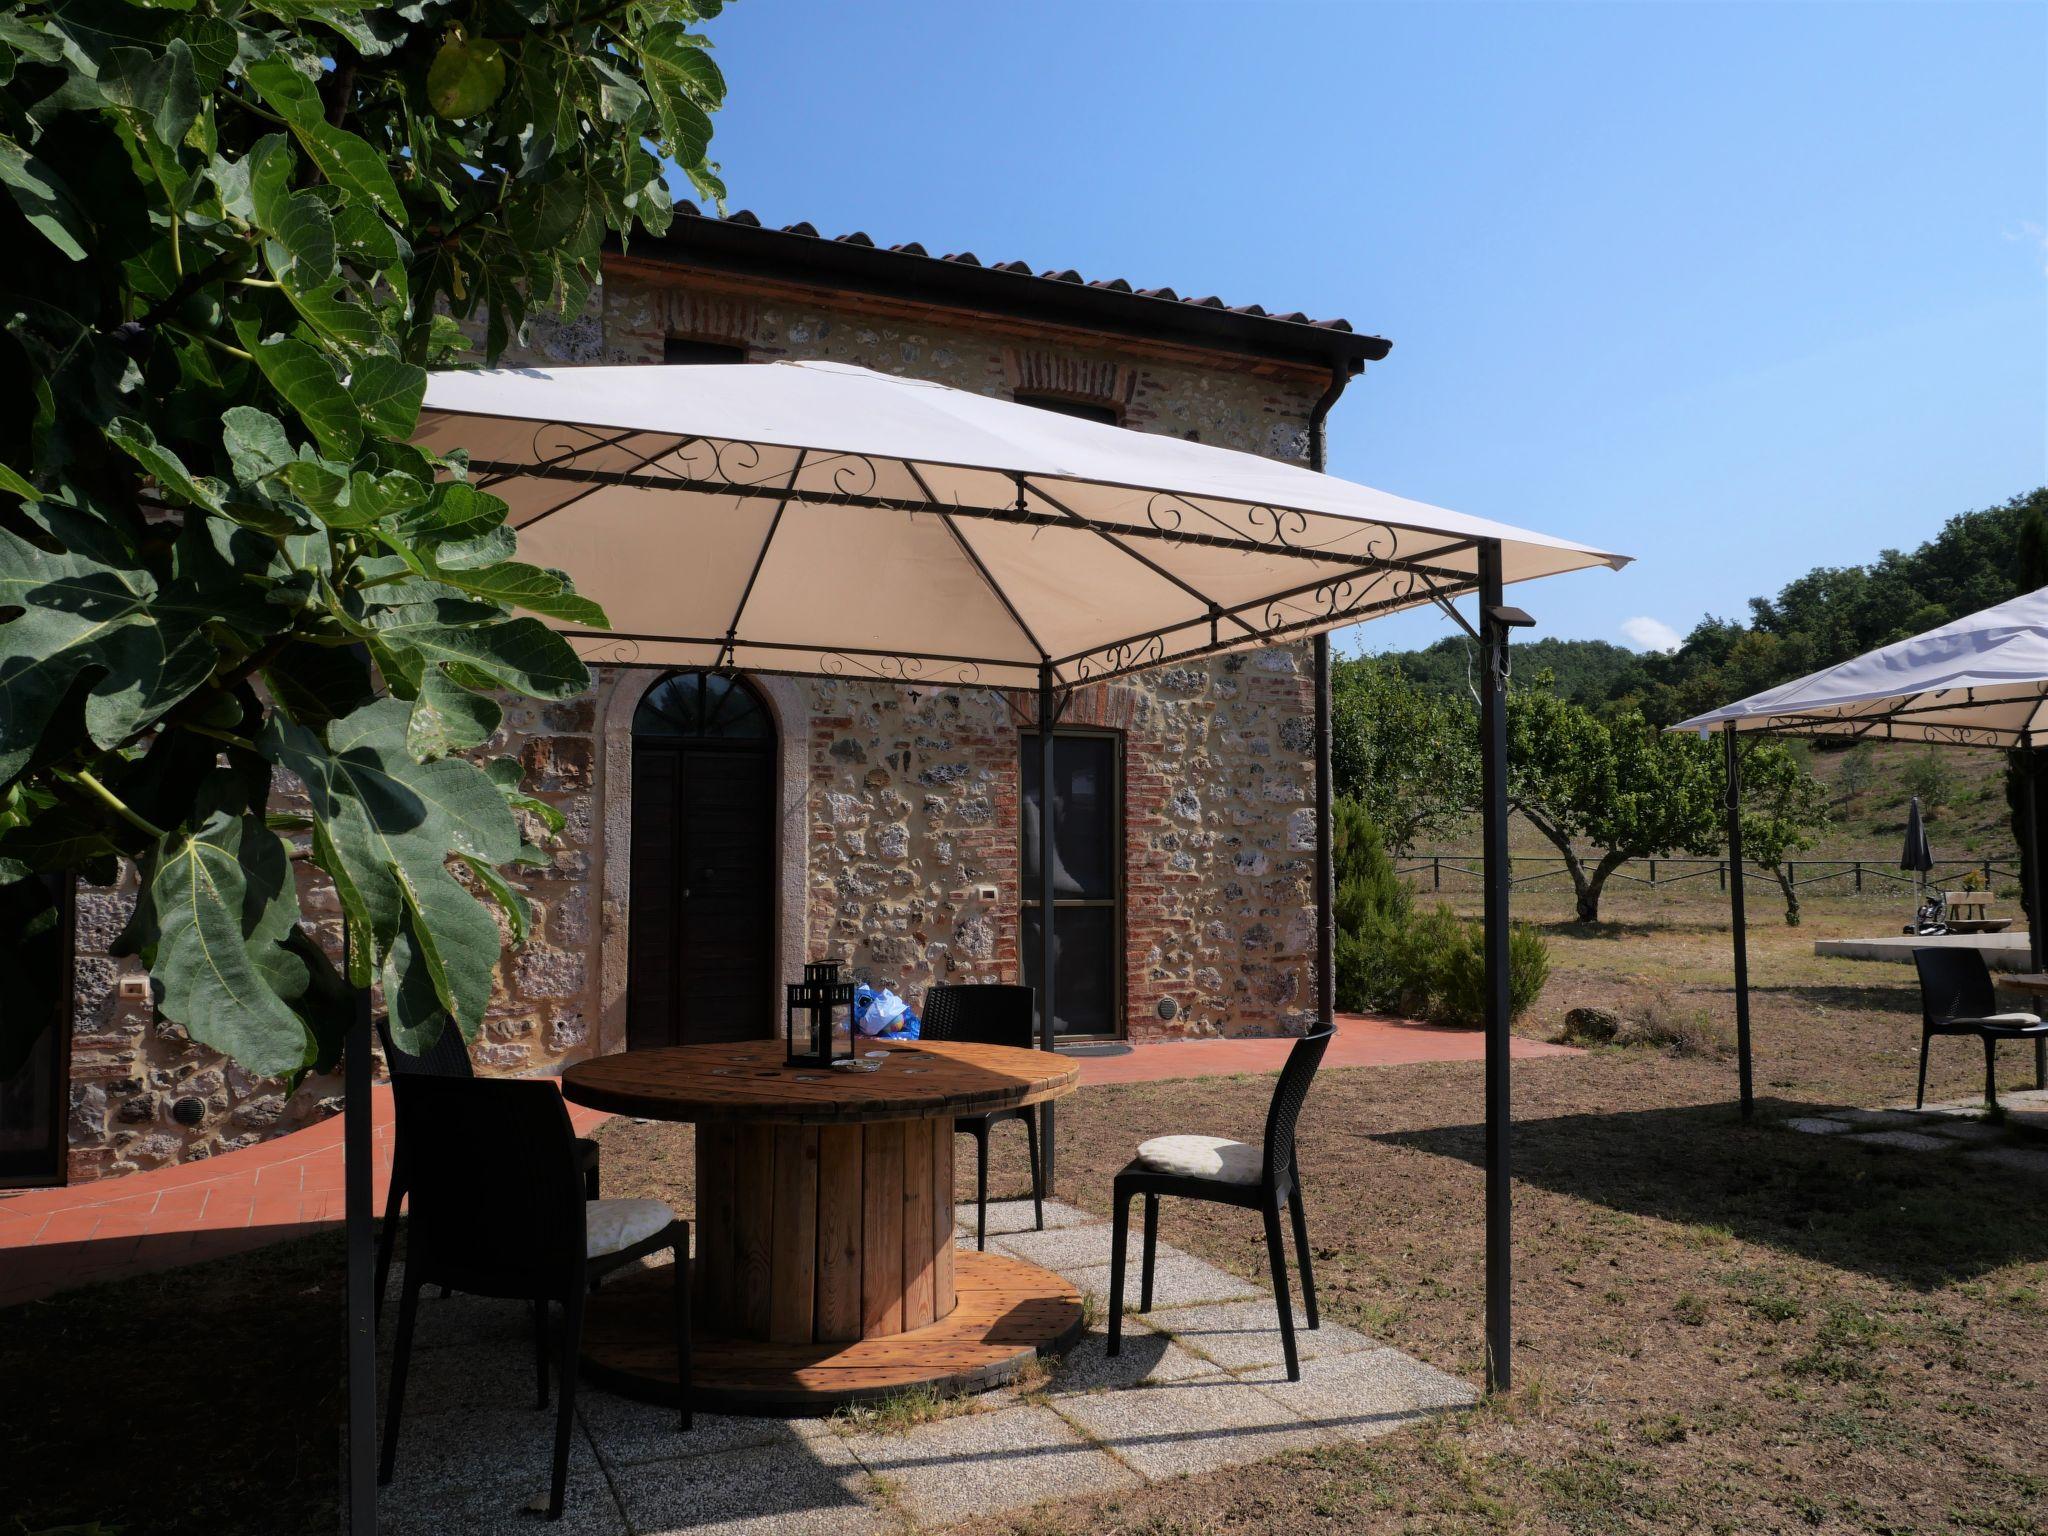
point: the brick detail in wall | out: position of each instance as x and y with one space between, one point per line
1048 371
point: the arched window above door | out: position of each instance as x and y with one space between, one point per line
695 706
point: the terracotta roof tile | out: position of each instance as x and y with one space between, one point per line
1057 275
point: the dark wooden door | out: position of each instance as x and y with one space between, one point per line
701 926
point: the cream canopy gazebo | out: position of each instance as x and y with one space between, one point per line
1977 681
820 519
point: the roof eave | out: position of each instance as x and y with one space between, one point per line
754 250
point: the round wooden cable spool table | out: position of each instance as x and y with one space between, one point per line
826 1271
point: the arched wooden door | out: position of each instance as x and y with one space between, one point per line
701 927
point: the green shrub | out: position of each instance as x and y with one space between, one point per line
1427 965
1456 982
1372 908
1930 777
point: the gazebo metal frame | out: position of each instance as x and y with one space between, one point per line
1385 565
1879 722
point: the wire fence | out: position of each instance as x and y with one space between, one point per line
1455 872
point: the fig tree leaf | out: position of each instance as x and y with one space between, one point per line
465 77
306 380
215 897
448 942
44 200
517 913
255 441
138 648
135 439
379 812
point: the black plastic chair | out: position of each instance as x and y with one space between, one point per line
448 1056
1260 1179
1957 998
498 1210
989 1014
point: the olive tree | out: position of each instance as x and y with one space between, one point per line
238 236
1784 810
1611 782
1406 753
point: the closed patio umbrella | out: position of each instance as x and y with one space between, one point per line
741 516
1916 855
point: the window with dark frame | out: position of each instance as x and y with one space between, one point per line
681 349
1086 410
1088 879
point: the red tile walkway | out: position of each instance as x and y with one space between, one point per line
1361 1041
53 1239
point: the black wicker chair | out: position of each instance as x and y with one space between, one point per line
989 1014
1260 1179
498 1209
1957 998
448 1056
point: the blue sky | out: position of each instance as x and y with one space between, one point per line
1736 289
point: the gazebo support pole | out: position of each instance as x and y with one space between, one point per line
1493 735
362 1309
1046 801
2031 802
1326 876
1738 921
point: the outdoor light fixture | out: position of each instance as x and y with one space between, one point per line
1509 618
812 1024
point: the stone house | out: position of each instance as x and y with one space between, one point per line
721 830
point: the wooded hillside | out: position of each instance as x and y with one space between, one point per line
1827 615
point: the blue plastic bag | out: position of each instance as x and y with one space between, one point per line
883 1014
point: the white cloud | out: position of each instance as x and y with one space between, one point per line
2030 233
1648 634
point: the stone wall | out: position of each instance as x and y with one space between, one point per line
903 800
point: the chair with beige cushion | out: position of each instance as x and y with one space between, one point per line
1263 1178
1957 998
499 1209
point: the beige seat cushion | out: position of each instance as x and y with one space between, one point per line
2016 1020
1204 1157
612 1225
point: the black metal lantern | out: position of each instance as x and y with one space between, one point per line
818 1025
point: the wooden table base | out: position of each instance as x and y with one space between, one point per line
1008 1313
824 1234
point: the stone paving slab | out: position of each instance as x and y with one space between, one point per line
1875 1119
951 1470
1904 1141
1072 1248
1818 1125
473 1467
627 1432
588 1509
1973 1131
463 1378
1005 1216
1363 1395
1181 1427
1242 1335
1177 1281
818 1488
1147 1356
